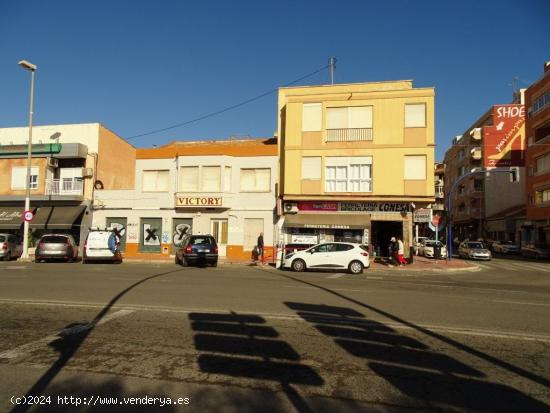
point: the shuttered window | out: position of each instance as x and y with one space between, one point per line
256 180
311 167
311 117
415 115
155 181
19 176
415 167
189 179
211 178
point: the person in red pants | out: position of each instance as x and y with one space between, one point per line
401 252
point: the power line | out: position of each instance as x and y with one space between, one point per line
229 107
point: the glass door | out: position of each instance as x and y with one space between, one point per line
219 232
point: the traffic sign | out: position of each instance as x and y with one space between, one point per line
28 216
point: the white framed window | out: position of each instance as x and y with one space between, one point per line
542 196
415 115
155 181
19 176
348 174
311 167
227 179
543 164
211 178
189 179
311 117
256 180
415 167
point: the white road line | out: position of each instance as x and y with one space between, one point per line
339 275
532 267
41 343
520 303
370 277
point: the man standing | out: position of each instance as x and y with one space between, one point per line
400 252
260 245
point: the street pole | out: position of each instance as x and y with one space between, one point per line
332 64
32 68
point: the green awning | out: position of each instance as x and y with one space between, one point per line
11 217
58 217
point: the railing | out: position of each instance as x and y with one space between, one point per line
349 135
66 186
439 191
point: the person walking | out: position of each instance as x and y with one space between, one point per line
260 245
392 251
400 252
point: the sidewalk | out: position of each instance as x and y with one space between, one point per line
421 264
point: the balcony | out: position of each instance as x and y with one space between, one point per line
439 191
349 135
475 153
66 186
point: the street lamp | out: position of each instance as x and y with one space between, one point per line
32 68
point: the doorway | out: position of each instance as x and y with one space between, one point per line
219 232
382 231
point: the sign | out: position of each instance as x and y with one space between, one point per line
317 206
28 216
422 215
303 239
375 206
150 236
8 216
38 148
437 221
197 201
504 142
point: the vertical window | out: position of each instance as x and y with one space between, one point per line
415 115
415 167
256 180
211 178
189 179
311 117
360 178
311 167
155 181
336 178
19 176
543 164
227 179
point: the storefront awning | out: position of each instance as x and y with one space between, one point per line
327 221
59 217
11 217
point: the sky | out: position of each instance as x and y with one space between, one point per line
140 66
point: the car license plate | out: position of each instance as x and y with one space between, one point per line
202 250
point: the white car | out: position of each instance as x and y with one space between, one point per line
330 256
101 246
427 248
505 247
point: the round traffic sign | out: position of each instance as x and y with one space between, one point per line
28 216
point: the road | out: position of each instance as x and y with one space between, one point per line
243 339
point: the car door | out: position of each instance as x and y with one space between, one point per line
330 256
314 257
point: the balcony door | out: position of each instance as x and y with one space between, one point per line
70 181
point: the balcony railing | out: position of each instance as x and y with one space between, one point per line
65 186
349 135
439 191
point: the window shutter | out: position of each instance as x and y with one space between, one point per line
311 117
337 118
360 117
247 180
162 181
189 178
263 178
415 115
211 178
227 179
415 167
311 167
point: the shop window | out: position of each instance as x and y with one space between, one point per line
256 180
415 115
311 117
19 176
155 181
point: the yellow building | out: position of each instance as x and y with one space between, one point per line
355 161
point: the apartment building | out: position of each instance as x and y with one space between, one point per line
224 188
537 101
69 162
355 160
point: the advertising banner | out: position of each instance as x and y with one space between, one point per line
317 206
504 142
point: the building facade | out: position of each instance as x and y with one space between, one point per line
355 160
223 188
537 101
69 163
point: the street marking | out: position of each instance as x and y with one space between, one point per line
41 343
336 275
16 268
532 267
520 303
370 277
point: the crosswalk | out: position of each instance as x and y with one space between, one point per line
515 266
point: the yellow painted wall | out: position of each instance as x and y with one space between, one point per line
116 164
5 175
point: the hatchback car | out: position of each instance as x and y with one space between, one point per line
10 247
429 246
56 247
505 247
330 256
198 250
474 250
101 246
537 251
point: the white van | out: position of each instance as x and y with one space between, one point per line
101 245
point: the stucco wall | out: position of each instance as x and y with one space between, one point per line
116 161
6 166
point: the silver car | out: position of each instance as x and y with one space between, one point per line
56 247
474 250
10 247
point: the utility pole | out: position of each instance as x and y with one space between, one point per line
332 64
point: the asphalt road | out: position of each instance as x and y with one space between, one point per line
245 339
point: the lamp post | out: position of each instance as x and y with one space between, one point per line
32 68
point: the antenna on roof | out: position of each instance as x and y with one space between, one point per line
332 64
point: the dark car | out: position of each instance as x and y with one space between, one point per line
537 251
198 250
56 247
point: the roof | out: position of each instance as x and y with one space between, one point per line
240 147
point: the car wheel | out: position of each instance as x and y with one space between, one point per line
298 265
184 262
176 260
355 267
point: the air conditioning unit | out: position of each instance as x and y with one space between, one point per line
291 207
87 172
53 162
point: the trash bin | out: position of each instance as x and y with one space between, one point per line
437 252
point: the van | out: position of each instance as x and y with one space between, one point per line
101 245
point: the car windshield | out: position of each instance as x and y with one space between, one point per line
476 245
2 238
54 240
202 241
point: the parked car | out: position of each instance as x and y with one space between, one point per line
505 247
56 247
417 244
474 250
10 247
101 246
538 251
198 250
330 256
428 246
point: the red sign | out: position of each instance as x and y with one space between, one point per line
28 216
504 142
317 206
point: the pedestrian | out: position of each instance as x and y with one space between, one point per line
392 248
260 245
400 252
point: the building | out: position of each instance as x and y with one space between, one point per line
69 163
223 188
355 160
537 101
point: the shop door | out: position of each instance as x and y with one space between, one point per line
150 234
180 228
119 228
219 232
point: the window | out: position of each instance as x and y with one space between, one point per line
311 117
415 115
352 123
415 167
542 196
311 167
19 176
155 181
211 178
543 164
256 180
189 179
353 174
227 179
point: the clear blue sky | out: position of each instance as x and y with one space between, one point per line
137 66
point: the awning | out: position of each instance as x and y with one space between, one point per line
327 221
11 217
59 217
